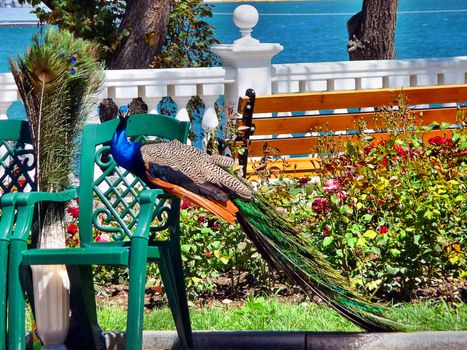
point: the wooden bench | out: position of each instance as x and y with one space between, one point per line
288 144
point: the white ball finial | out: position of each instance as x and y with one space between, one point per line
245 18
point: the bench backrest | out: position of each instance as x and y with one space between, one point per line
313 113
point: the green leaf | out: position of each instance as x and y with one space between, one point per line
444 125
370 234
185 248
345 209
335 200
367 217
416 239
327 241
225 259
395 252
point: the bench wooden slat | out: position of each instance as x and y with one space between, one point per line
341 122
355 98
308 145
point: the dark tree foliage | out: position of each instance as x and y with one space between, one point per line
138 33
188 37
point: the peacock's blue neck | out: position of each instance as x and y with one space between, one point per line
127 154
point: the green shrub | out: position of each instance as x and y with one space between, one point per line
390 214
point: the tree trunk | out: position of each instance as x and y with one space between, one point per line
372 31
146 21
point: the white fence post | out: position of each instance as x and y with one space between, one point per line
247 58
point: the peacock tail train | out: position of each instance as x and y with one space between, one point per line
278 243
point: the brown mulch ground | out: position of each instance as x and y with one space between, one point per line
449 290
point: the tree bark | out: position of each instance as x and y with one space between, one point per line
146 21
372 31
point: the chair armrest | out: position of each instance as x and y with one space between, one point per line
25 204
7 204
31 198
148 199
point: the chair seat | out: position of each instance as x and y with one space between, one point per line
97 254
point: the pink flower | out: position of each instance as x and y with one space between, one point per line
342 195
103 237
332 185
325 231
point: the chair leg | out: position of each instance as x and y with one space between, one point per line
3 290
137 272
83 308
16 298
171 270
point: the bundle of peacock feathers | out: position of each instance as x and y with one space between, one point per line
57 78
206 180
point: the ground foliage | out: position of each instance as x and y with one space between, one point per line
391 215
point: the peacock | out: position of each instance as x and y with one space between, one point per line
206 180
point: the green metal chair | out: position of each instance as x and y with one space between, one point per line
119 204
16 166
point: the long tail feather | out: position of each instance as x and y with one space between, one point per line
305 265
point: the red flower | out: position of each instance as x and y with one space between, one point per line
185 204
414 152
208 254
325 231
214 225
72 229
384 162
437 141
448 142
368 149
74 211
201 219
320 205
157 289
383 229
303 180
400 151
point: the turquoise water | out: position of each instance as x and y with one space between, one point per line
315 31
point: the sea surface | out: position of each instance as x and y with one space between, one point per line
315 31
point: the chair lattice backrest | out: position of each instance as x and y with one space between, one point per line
17 160
109 194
